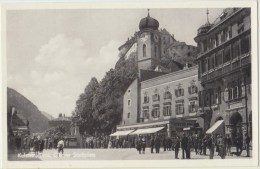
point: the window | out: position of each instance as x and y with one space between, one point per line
129 90
192 107
179 92
146 114
164 40
156 97
211 62
193 89
129 102
217 99
167 110
146 99
144 50
235 89
128 115
240 26
179 108
167 95
229 36
204 46
218 58
226 54
204 65
156 112
245 45
235 49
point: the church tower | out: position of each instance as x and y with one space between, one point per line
148 43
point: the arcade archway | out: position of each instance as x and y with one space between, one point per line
236 125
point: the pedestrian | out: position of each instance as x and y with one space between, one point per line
169 144
247 141
152 144
184 144
211 146
228 145
36 145
176 147
204 145
143 144
41 145
60 146
220 143
239 144
164 144
189 145
18 142
139 145
195 142
157 144
200 143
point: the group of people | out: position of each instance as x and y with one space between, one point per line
96 142
200 144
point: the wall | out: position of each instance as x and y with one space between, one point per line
132 95
172 80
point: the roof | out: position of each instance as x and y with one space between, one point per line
149 74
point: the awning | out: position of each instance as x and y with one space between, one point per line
216 128
147 130
122 133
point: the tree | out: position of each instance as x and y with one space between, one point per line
84 110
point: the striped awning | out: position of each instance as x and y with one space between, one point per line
147 130
216 128
122 133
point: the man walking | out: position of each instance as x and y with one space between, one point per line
211 146
247 141
184 144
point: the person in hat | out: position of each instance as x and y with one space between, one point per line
184 145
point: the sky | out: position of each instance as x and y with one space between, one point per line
53 54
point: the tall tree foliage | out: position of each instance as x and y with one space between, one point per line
99 109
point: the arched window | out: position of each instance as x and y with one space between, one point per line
144 50
128 115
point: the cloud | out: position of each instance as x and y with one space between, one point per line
63 67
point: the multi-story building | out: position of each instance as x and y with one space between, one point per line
164 97
224 61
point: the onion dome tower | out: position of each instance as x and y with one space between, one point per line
206 27
148 23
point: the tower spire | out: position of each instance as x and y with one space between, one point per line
207 15
148 11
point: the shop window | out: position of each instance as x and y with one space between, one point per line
226 54
167 110
179 108
245 45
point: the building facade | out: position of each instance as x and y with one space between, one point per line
164 97
224 61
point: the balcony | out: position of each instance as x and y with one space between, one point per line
227 68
